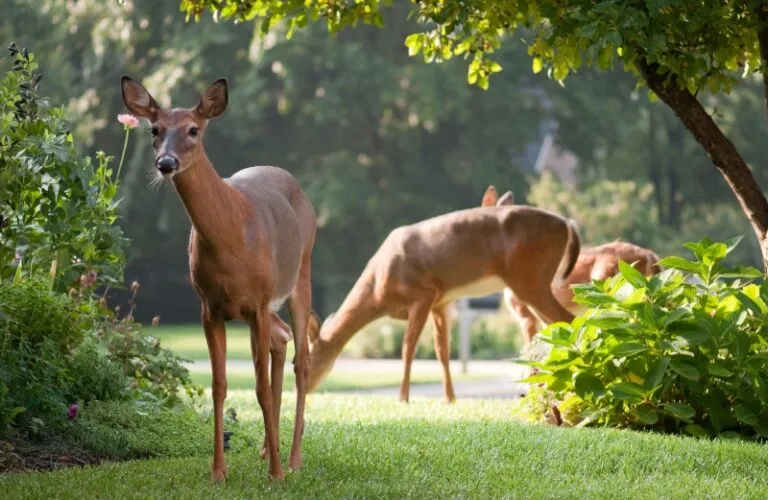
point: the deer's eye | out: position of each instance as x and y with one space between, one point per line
154 131
193 131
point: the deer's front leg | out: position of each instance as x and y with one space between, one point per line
215 336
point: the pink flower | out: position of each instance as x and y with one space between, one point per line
129 121
72 411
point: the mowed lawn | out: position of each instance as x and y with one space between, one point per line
375 447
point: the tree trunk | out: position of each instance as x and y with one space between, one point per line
721 150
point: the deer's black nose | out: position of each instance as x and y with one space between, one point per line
167 164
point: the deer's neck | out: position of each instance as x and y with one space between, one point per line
357 310
212 205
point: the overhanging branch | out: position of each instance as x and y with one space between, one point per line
723 153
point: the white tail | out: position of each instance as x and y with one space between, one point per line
422 268
599 263
249 250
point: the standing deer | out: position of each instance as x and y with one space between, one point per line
596 263
422 268
249 250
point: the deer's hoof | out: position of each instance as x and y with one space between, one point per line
296 462
218 475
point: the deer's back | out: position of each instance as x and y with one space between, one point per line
280 219
460 247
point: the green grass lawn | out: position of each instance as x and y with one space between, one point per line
375 447
337 380
189 340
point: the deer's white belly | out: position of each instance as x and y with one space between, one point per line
479 288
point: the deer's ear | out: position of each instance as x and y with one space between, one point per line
138 101
214 100
490 197
506 199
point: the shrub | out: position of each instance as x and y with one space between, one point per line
58 211
30 313
156 374
57 349
667 353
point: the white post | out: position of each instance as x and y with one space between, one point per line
466 315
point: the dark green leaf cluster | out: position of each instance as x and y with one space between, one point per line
683 350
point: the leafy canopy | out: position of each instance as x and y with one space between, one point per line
699 43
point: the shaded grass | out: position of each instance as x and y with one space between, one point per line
375 447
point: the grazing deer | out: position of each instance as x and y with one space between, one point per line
423 268
249 250
596 263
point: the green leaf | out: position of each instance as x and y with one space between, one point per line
656 372
681 264
744 415
718 369
696 430
629 349
675 315
585 383
627 391
680 411
685 369
646 415
632 275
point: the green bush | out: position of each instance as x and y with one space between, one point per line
58 211
30 313
58 349
95 376
666 353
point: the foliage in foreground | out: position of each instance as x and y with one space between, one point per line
58 233
58 211
59 349
666 353
375 447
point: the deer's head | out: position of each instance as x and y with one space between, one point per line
177 134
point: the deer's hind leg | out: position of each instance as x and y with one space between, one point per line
300 307
261 336
443 348
280 334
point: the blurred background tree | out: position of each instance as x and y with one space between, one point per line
378 139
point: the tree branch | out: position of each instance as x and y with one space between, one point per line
721 150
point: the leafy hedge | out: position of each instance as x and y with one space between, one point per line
684 350
61 347
58 211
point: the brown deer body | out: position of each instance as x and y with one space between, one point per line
249 250
595 263
422 268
